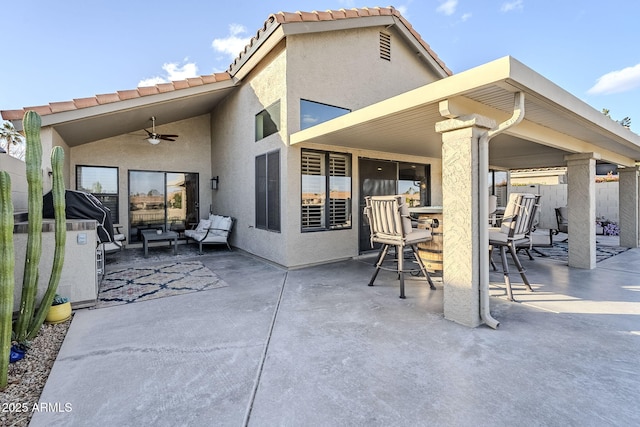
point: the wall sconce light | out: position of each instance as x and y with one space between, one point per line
214 183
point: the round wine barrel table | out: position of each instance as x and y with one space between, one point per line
431 252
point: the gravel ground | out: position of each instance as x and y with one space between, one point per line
28 376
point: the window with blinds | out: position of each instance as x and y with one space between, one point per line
326 190
267 188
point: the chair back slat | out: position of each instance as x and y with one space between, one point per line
385 219
520 214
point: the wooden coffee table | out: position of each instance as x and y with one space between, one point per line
154 236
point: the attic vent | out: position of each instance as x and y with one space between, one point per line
385 46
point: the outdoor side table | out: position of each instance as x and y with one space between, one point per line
154 236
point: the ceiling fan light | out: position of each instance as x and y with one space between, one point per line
153 141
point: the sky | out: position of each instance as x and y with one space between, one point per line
58 51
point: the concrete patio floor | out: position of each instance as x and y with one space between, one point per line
317 347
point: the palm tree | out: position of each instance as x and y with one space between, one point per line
10 135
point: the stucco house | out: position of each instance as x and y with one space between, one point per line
323 108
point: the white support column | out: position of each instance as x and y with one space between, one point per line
462 271
629 206
581 203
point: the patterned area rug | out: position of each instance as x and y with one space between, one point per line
560 251
132 284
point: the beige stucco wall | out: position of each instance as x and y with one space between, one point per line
344 68
307 69
78 280
191 152
233 156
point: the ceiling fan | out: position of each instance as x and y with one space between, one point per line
155 138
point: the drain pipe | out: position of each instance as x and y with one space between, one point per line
483 202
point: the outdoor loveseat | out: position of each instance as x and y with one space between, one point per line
212 231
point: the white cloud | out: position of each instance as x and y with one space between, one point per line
448 7
466 17
617 81
512 5
348 3
309 119
403 10
233 44
173 71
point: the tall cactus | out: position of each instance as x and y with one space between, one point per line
33 158
7 262
59 207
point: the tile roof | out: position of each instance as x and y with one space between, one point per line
57 107
275 19
334 15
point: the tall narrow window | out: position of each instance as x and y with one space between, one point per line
326 190
268 191
268 121
102 182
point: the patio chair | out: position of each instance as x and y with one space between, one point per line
390 225
493 208
513 233
562 219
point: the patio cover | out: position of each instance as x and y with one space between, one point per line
550 127
555 124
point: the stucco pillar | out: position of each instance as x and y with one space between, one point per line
629 207
581 204
460 200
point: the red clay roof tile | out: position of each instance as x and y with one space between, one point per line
165 87
12 114
107 98
194 81
308 16
128 94
324 16
57 107
85 102
148 90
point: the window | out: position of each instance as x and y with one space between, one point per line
102 182
268 191
326 191
268 121
313 113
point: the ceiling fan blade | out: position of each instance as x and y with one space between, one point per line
167 137
170 136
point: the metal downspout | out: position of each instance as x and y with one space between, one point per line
483 202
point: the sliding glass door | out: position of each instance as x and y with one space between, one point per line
385 177
161 201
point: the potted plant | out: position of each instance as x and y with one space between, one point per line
59 311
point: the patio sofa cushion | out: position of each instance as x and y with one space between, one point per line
203 226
